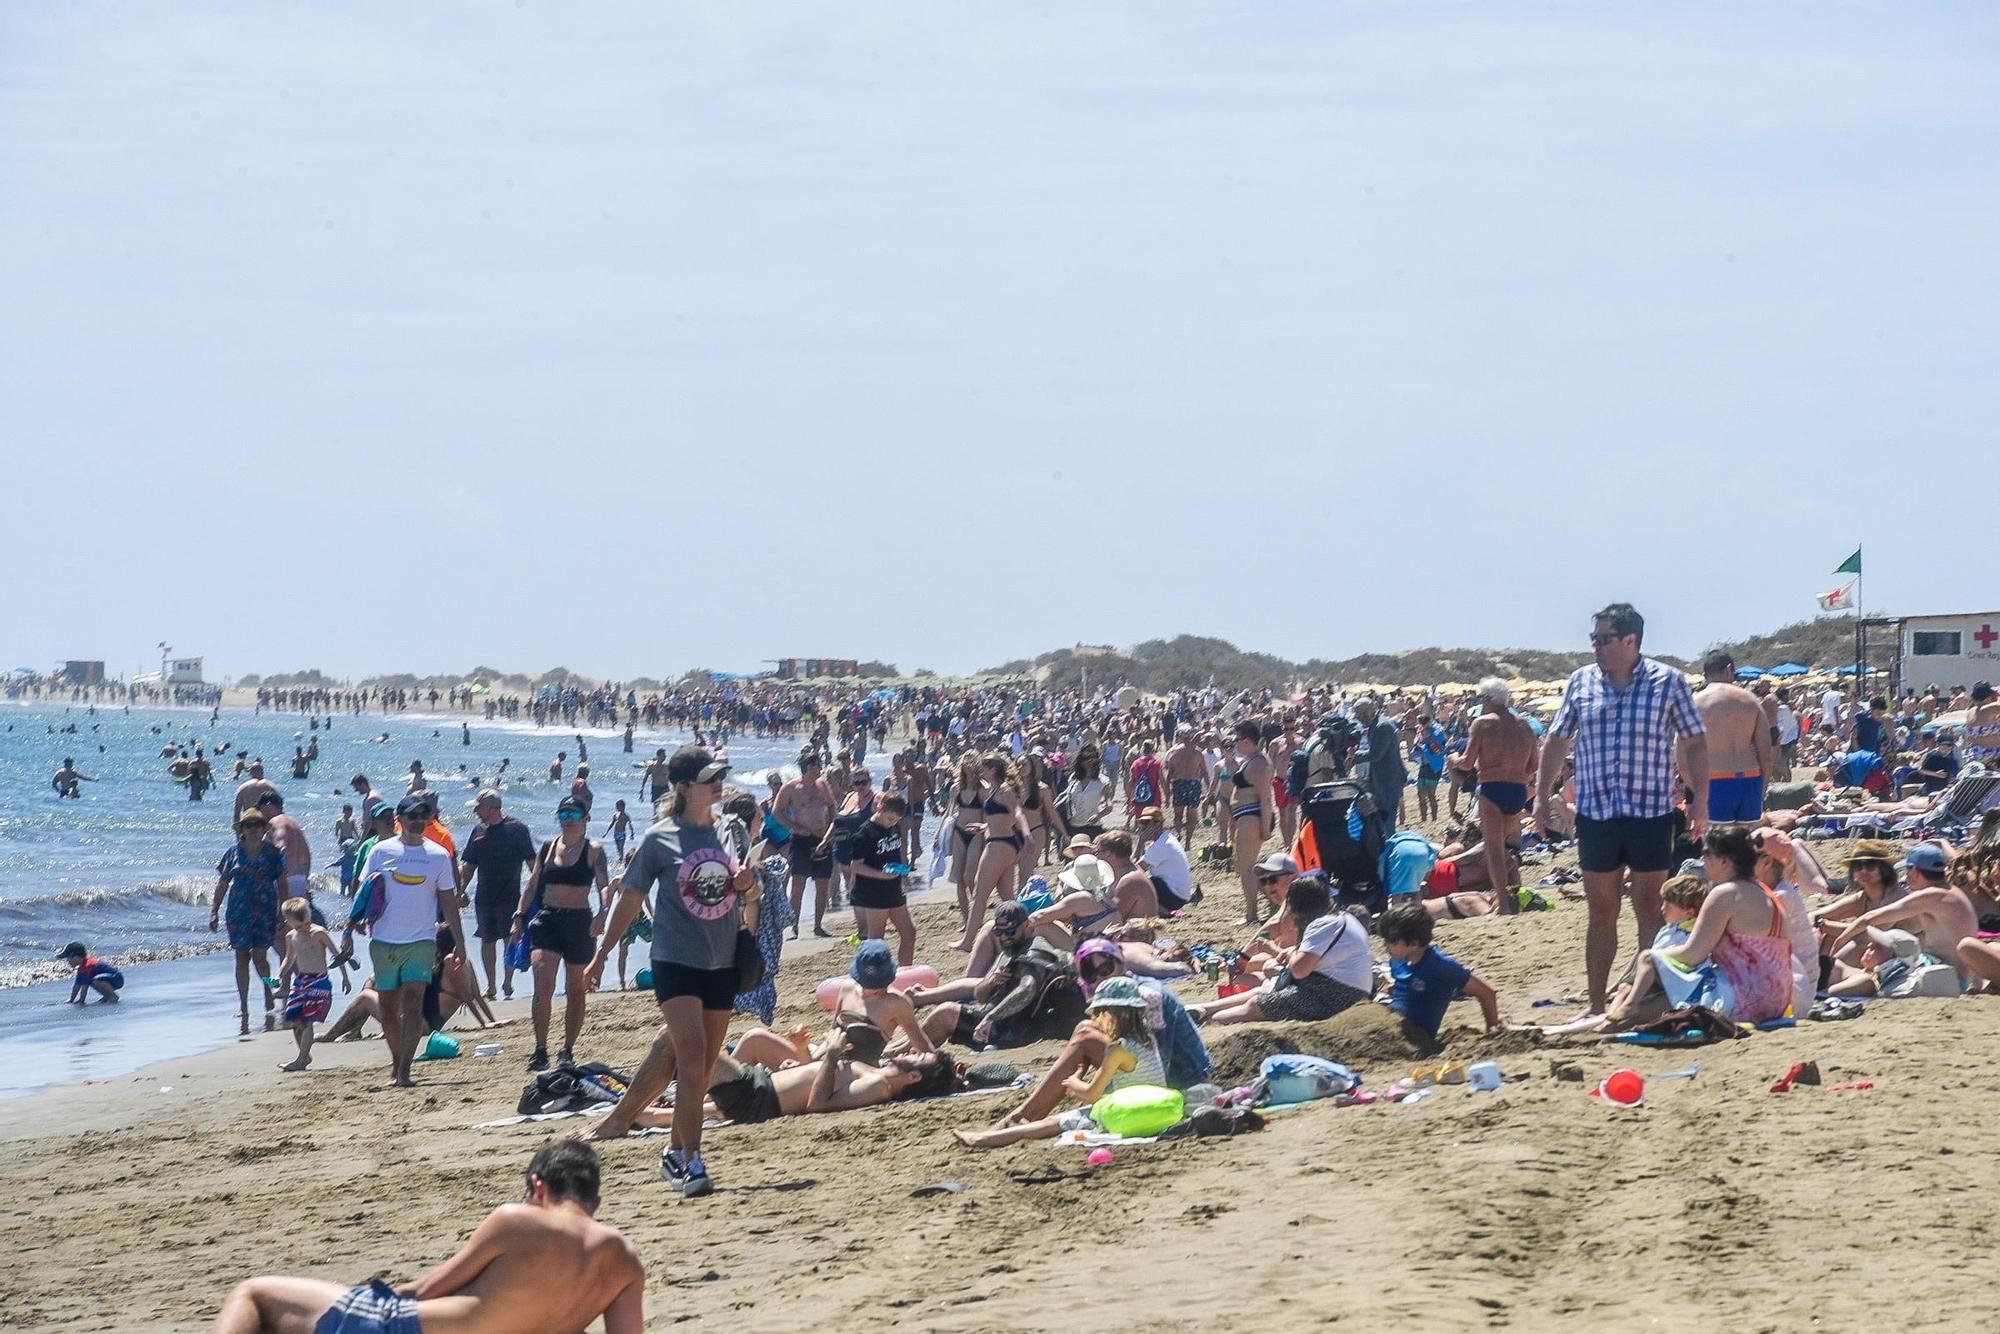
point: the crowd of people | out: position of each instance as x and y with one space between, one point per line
1071 828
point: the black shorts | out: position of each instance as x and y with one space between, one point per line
1169 900
1640 845
878 894
494 915
806 860
714 987
564 931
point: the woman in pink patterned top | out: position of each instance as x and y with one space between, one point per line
1742 928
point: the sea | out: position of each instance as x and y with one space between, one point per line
128 867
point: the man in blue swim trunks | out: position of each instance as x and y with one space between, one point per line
544 1264
1740 752
1500 756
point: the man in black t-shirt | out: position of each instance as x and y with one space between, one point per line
496 850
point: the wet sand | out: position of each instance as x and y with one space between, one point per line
1534 1207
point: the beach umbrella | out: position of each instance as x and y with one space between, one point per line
1749 673
1789 669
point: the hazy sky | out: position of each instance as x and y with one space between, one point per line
635 337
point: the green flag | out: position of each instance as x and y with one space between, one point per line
1852 565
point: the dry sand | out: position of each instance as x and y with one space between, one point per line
1535 1207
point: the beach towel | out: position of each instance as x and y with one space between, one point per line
600 1109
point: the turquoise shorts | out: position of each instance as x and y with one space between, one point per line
400 965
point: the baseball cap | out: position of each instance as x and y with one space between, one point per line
1152 813
1278 863
73 949
272 799
487 797
1982 690
415 802
874 965
1924 857
694 764
380 809
568 804
1010 912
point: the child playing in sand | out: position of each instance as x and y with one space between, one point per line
308 949
1423 978
92 974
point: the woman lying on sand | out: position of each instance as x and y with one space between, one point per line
749 1091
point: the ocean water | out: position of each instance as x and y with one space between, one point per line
128 867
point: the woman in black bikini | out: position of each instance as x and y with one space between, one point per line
1038 813
966 842
1251 804
564 928
1001 805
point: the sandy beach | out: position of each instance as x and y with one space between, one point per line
1535 1206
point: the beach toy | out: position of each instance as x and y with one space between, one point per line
1622 1088
1100 1157
438 1047
1485 1077
911 975
487 1049
1688 1073
644 977
1138 1110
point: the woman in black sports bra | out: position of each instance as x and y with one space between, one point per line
1038 814
1251 806
563 929
1001 804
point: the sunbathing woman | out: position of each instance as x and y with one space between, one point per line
1114 1043
872 1018
748 1092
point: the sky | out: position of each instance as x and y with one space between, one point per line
640 337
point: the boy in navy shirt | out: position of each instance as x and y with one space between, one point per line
1424 980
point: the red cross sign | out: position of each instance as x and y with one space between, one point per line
1986 636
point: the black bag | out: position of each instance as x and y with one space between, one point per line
749 962
571 1089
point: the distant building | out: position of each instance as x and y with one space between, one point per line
184 671
1950 649
80 672
795 669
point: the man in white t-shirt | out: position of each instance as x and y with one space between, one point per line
1829 709
418 890
1165 861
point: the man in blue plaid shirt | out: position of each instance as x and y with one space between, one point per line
1630 718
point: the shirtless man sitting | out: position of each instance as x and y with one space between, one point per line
1740 752
545 1266
1501 752
1939 913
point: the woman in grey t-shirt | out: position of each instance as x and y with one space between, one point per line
702 896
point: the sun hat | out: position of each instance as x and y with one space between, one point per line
874 965
1872 850
1089 874
1077 846
1117 993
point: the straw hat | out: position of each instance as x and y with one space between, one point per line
1873 850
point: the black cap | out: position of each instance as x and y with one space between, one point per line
1011 911
272 799
572 804
1982 690
71 950
416 801
694 764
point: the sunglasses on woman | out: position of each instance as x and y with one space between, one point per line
569 817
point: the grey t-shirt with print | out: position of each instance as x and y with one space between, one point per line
696 911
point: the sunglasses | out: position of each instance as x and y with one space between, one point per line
1270 878
1006 929
1098 967
1601 640
570 817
